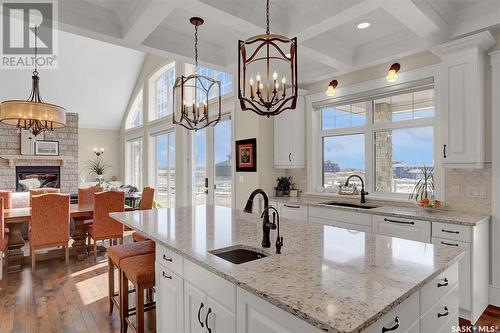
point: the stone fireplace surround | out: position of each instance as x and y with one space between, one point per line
10 144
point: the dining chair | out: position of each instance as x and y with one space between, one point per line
104 227
49 227
43 190
4 238
148 195
86 196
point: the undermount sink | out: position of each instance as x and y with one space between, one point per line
238 254
347 204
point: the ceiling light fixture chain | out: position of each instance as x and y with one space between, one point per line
268 30
196 48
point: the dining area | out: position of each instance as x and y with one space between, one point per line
47 225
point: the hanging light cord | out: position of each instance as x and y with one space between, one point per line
267 18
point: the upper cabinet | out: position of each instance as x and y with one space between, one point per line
461 98
290 137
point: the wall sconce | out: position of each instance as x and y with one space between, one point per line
392 75
98 151
330 91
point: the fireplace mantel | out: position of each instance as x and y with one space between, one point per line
13 158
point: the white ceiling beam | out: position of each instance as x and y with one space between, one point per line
420 17
145 18
337 20
338 62
476 19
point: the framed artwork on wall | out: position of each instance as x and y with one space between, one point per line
47 148
246 155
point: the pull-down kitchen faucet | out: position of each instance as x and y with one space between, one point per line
266 224
363 193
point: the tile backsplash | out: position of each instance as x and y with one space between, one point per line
466 190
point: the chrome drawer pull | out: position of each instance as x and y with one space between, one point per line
446 312
443 284
400 222
167 259
289 206
450 231
167 276
449 244
393 328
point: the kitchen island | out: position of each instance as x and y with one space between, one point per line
327 279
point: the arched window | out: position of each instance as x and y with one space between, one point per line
135 115
160 91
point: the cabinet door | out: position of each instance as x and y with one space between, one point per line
195 307
282 143
169 302
403 228
298 134
219 319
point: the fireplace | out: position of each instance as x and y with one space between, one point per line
29 177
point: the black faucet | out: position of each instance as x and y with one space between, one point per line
266 225
276 222
363 193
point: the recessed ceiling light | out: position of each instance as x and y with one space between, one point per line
363 25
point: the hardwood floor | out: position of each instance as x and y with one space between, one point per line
60 298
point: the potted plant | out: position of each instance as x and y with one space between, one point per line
283 186
98 167
423 192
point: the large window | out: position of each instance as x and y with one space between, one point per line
161 92
165 168
397 129
135 115
226 79
133 155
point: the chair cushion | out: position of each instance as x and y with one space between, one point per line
119 252
139 269
137 237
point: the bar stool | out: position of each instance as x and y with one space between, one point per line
115 255
140 271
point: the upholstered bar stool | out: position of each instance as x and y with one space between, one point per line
115 255
140 271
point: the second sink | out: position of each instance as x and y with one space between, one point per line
238 254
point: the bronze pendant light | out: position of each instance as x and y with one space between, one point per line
33 114
191 95
276 57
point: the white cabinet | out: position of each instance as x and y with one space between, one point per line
195 307
461 92
219 318
290 137
256 315
404 318
402 228
293 211
341 218
169 301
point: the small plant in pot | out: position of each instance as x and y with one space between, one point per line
98 167
283 187
423 192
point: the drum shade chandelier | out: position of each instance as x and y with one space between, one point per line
33 114
191 94
265 63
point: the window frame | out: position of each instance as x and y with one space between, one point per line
216 71
128 175
152 83
138 100
316 134
152 144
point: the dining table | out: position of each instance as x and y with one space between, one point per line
16 217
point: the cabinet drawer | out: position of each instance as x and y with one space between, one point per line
343 225
221 290
293 212
402 318
452 231
439 315
340 215
438 287
403 228
169 259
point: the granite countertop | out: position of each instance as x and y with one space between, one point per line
402 211
335 279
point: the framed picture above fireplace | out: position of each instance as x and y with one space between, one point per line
47 148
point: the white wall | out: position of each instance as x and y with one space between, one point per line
90 138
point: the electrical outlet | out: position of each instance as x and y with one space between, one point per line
455 191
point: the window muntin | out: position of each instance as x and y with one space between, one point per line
400 155
161 92
406 106
134 167
343 155
136 114
226 81
343 116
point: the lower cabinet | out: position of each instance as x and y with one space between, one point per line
195 306
169 301
293 211
402 228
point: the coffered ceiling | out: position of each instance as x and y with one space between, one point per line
329 40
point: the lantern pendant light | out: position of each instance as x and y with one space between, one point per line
272 60
33 114
191 95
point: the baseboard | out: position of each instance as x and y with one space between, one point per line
494 295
